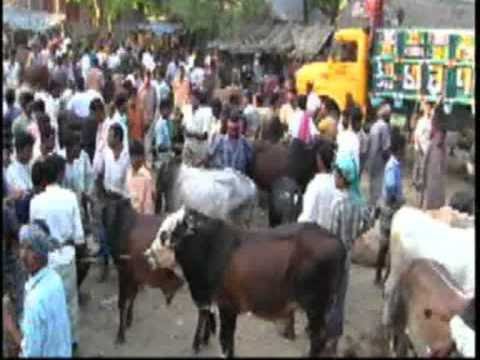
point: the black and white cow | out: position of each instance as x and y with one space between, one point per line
268 272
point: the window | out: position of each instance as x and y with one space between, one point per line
344 51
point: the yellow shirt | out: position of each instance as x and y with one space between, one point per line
328 127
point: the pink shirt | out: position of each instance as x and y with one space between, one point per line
140 187
100 145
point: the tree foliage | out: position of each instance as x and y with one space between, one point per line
211 17
215 17
108 11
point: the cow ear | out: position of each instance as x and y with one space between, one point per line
191 223
163 237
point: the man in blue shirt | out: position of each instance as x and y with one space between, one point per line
232 149
12 113
162 151
392 196
45 327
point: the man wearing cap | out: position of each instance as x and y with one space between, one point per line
378 152
45 327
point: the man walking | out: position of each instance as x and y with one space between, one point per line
45 328
378 152
59 208
197 129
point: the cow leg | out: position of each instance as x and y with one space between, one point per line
273 218
288 326
199 331
209 328
316 325
134 292
228 323
381 259
82 266
122 300
400 344
388 268
212 323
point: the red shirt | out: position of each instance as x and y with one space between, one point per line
374 9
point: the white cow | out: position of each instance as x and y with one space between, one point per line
414 235
222 194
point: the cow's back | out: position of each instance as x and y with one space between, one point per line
275 270
270 163
427 291
414 234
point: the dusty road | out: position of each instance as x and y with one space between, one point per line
161 331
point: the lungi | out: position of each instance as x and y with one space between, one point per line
194 151
161 165
335 317
68 273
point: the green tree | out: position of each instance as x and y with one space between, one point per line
215 17
106 12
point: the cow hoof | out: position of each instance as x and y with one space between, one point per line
196 348
128 323
120 340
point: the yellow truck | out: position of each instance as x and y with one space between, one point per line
405 66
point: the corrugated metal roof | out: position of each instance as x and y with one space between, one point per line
160 27
286 38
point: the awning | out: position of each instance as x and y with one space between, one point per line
24 19
160 28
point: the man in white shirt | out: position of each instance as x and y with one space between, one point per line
113 61
18 175
197 76
85 64
116 162
120 117
172 69
295 125
313 101
98 111
59 208
253 118
320 192
421 138
197 130
148 61
11 71
348 142
80 101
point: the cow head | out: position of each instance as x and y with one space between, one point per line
176 227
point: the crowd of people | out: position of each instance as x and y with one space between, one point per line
113 116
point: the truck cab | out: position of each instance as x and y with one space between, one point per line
344 76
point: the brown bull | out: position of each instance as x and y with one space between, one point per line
424 301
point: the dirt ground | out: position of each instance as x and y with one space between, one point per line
158 330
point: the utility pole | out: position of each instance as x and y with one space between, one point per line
305 11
